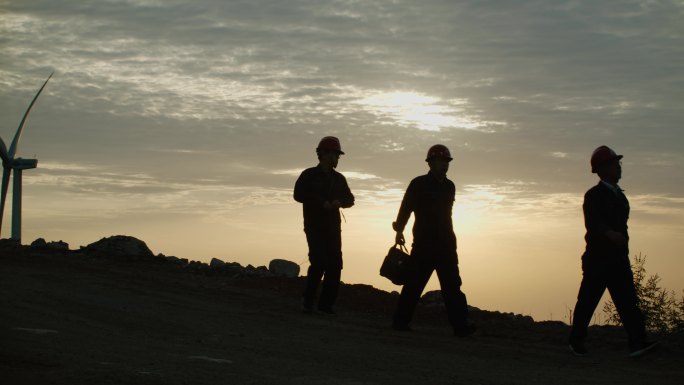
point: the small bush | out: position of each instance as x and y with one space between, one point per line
663 312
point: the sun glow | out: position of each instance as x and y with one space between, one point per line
414 109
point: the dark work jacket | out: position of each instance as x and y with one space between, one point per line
431 201
314 187
605 210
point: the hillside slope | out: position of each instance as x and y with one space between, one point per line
73 319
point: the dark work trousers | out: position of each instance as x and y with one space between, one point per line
446 265
615 274
325 257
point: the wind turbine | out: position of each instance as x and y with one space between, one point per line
18 165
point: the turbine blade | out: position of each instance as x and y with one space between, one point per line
5 184
17 136
3 153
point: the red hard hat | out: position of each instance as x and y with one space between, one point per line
330 143
438 151
601 155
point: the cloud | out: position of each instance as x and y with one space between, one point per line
69 167
659 209
410 108
170 105
359 175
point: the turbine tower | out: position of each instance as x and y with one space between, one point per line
18 165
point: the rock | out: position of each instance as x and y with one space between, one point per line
524 319
40 242
283 268
232 269
119 246
262 271
175 261
196 267
216 263
58 245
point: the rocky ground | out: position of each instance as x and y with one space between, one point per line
89 317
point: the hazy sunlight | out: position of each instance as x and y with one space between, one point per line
411 108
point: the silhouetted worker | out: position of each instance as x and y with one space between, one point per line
322 192
605 262
430 198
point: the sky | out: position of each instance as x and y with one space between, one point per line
186 124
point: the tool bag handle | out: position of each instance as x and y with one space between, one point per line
402 247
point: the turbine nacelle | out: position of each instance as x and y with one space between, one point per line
24 164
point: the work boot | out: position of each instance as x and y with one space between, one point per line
307 306
642 348
577 347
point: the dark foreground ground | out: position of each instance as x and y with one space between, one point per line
68 319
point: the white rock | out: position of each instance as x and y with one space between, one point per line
284 268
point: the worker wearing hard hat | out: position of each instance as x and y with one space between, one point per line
323 192
605 262
430 198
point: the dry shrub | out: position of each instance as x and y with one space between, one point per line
663 311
